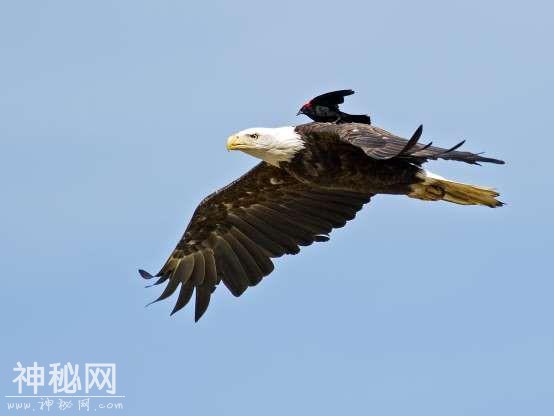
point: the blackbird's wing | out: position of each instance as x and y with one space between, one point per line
331 99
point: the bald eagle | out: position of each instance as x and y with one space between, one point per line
313 178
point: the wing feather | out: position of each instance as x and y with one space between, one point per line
197 275
252 271
203 295
262 260
232 271
263 241
185 294
331 99
281 237
210 277
379 144
184 269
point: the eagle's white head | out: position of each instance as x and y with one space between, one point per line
273 145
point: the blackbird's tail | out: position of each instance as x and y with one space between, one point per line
355 118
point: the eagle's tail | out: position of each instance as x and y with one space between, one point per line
436 188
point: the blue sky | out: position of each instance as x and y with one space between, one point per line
113 120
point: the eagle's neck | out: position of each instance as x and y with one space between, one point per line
283 145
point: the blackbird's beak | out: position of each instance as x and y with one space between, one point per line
299 112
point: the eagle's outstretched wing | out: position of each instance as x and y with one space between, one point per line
380 144
235 231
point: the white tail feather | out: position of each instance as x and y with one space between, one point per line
436 188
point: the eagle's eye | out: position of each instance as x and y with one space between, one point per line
253 136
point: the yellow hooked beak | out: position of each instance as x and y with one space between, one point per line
235 143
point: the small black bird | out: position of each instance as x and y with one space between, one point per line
325 108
